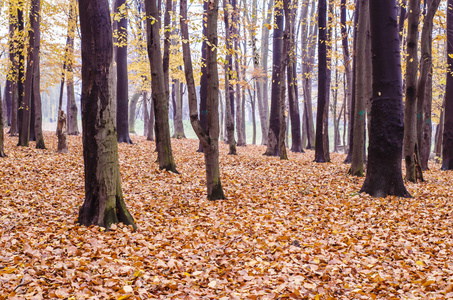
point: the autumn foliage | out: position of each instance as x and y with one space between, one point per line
289 229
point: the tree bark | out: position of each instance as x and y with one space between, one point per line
159 95
132 111
122 85
274 121
104 203
145 115
447 141
178 124
62 134
384 176
320 151
23 113
71 107
209 138
203 78
2 152
424 89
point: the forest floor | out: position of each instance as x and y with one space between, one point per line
289 229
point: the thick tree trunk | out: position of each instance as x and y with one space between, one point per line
411 147
447 140
424 86
2 152
132 111
362 88
150 135
159 95
14 66
208 138
71 107
384 176
23 113
320 151
104 203
274 121
229 88
122 84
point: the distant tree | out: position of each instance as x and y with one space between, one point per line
104 203
210 137
122 85
384 176
159 95
71 106
447 146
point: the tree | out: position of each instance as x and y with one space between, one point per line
2 152
71 106
132 111
411 150
447 141
104 203
159 95
229 88
122 84
23 113
322 154
277 78
384 176
208 138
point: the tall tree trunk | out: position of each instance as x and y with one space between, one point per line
71 107
2 152
264 65
384 176
447 140
203 79
424 86
145 115
11 79
132 111
274 120
362 88
411 147
320 151
23 113
229 88
209 138
151 130
178 124
440 134
104 203
122 85
159 95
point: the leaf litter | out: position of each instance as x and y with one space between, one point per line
289 230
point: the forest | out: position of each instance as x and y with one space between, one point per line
226 149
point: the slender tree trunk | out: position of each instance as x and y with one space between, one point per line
178 124
14 66
203 79
274 123
122 85
71 107
424 90
264 66
229 89
145 115
209 138
440 134
132 111
23 113
384 176
104 203
447 140
362 88
159 95
2 152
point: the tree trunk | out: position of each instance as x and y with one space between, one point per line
14 66
122 84
132 111
229 88
159 95
2 152
274 123
203 78
178 124
440 134
424 86
104 203
384 176
320 151
23 113
62 134
71 106
145 115
209 138
411 147
362 88
150 135
447 141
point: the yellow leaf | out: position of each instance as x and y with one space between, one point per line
420 263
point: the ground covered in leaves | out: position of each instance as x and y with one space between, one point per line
289 229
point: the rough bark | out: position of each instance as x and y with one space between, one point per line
104 203
384 176
447 140
203 78
23 114
159 95
362 88
209 138
151 121
411 147
62 134
424 85
132 111
277 78
122 84
229 88
320 151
